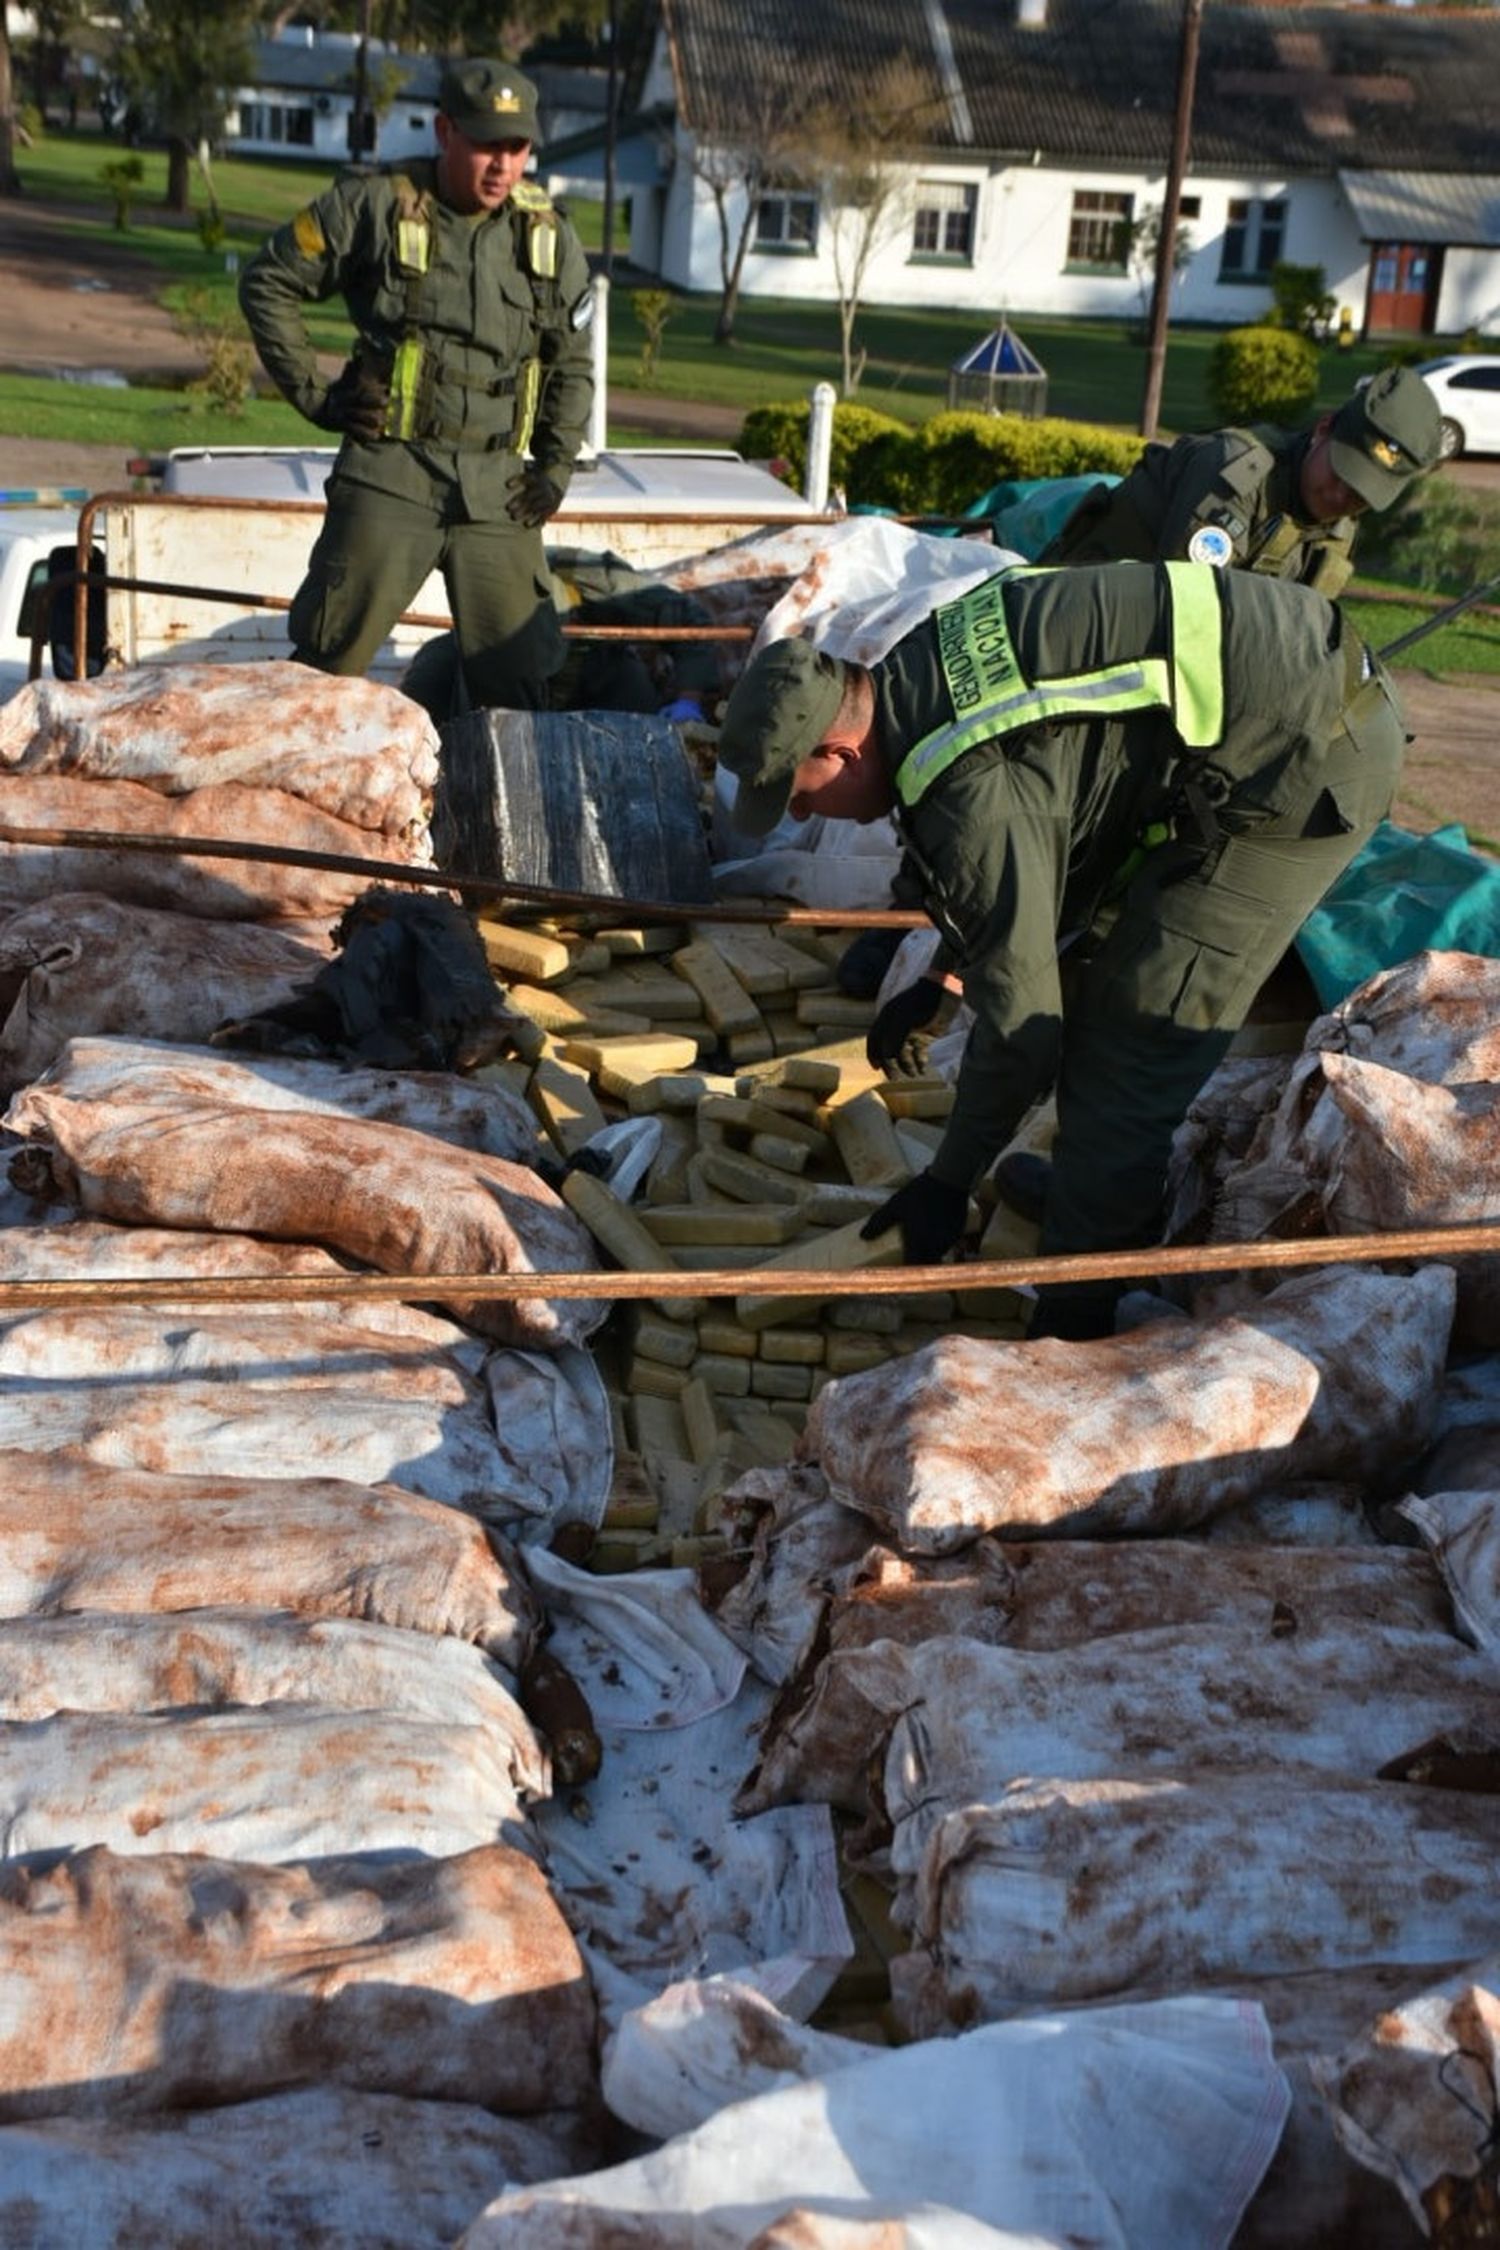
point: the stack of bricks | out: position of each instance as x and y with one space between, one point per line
778 1141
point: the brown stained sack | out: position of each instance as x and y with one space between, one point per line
1435 1017
1218 1130
952 1722
1414 2098
286 1781
1062 1593
1156 1431
137 1984
356 750
220 889
1462 1531
462 1111
1387 1121
225 1395
78 1537
397 1200
791 1543
1068 1891
1309 1516
81 963
1314 2191
316 2168
209 1659
92 1249
1051 1593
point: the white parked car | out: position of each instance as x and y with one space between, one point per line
1467 388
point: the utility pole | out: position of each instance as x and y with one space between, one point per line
1171 204
359 131
611 129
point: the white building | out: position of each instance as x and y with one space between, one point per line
1362 140
302 101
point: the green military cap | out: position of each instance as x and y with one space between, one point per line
489 101
1385 435
782 705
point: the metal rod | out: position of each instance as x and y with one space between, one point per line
747 518
244 598
1439 617
533 895
1152 1263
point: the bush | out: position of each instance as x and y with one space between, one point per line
965 454
942 467
123 176
779 433
1262 375
212 232
1442 536
1303 300
653 309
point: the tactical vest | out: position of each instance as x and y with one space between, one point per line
500 406
991 695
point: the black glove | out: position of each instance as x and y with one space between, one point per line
533 497
930 1214
356 402
895 1041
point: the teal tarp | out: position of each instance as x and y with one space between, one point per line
1403 894
1027 512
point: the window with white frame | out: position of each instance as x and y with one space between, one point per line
786 219
284 123
1099 229
943 220
1254 232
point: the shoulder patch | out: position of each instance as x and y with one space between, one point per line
307 233
1211 543
528 196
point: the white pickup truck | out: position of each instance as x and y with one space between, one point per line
224 532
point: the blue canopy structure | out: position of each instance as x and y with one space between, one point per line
1000 374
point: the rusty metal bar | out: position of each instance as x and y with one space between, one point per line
749 518
82 582
534 896
741 1281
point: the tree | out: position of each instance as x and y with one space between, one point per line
1141 249
179 63
751 154
860 164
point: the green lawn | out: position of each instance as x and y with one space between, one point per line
1470 644
1095 371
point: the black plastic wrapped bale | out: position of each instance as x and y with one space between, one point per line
599 801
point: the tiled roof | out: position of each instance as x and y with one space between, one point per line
1279 89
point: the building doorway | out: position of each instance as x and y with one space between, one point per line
1404 279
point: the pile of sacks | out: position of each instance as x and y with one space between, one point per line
274 1915
1148 1686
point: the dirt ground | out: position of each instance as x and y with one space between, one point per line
80 310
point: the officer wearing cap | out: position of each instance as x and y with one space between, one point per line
1123 790
1281 502
466 399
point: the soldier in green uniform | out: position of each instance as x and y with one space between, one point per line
1123 790
1282 502
466 399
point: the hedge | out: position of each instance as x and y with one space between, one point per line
1263 375
943 466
